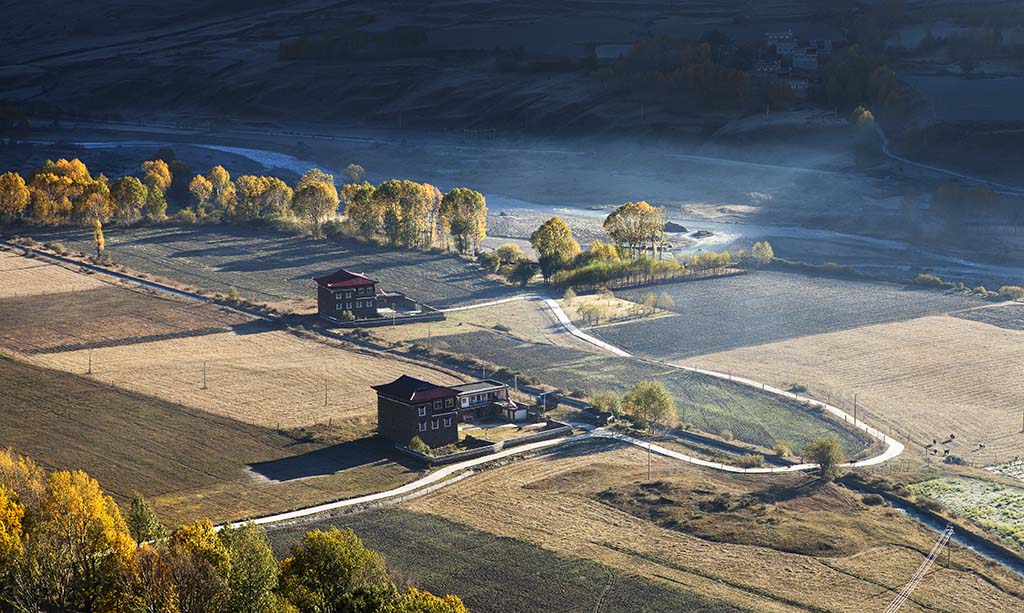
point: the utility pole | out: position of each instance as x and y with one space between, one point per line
90 361
204 375
648 461
854 409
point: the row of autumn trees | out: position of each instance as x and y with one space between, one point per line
398 213
635 256
65 547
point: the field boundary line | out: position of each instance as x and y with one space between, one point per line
893 447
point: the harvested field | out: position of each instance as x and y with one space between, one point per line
189 463
1008 315
274 268
537 346
710 404
927 378
500 575
257 374
762 307
106 316
874 549
21 277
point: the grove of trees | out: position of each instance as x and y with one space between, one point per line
399 213
64 546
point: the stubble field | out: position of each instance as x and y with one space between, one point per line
189 463
260 375
927 378
29 277
871 552
276 268
762 307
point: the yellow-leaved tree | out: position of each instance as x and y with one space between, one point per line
14 196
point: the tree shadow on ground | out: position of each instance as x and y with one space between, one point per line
334 458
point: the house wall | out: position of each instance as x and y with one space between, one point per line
399 422
362 305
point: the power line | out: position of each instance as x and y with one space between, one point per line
921 571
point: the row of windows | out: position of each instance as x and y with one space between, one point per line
448 403
360 291
435 424
359 304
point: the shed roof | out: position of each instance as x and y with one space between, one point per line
479 386
343 278
411 389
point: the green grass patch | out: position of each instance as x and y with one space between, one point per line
996 508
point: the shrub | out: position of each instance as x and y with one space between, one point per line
931 504
726 435
872 500
56 247
569 295
782 450
187 216
751 460
828 454
929 280
233 296
502 328
348 316
1013 292
417 444
607 402
796 388
981 290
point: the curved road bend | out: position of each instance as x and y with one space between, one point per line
893 447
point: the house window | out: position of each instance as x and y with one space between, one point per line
448 403
359 304
423 426
435 424
422 410
437 404
337 307
348 306
447 422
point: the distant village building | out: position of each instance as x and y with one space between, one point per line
805 58
345 292
773 38
767 68
409 407
800 87
785 48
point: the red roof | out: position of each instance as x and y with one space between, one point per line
411 389
343 278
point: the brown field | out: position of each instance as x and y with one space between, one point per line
529 321
927 378
189 463
867 552
259 375
105 316
21 276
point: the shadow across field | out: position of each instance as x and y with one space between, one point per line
762 307
329 460
264 266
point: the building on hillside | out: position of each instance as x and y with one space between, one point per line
785 48
774 38
805 58
409 407
487 398
767 68
345 293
